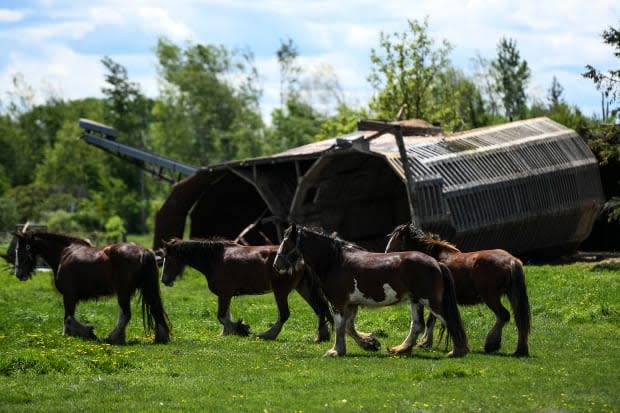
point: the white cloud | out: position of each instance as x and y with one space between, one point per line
11 16
62 42
158 20
66 73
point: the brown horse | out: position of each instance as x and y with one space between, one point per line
82 272
351 277
232 269
479 277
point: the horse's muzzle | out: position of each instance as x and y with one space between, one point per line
281 264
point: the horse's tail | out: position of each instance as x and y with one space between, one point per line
154 318
520 306
451 314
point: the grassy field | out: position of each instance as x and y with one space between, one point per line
575 362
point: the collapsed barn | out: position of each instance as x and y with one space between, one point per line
523 186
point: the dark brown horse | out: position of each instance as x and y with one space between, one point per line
82 272
232 269
351 277
479 277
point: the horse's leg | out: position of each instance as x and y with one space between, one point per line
365 340
319 306
341 317
283 315
72 327
427 338
238 328
416 327
502 316
117 336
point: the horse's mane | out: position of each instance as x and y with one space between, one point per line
333 237
432 242
61 238
210 246
336 243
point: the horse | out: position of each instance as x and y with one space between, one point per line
350 277
83 271
232 270
479 277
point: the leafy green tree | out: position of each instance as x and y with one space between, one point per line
344 121
208 110
405 70
296 122
558 110
608 83
484 75
554 94
9 216
69 169
513 75
290 71
458 103
604 140
128 110
16 155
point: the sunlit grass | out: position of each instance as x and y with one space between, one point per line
574 364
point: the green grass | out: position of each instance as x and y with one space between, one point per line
575 362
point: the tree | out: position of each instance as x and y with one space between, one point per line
296 122
484 77
289 71
554 94
208 110
605 140
128 110
513 76
342 122
608 83
458 103
405 70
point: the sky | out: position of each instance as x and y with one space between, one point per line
56 47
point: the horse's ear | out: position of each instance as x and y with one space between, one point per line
293 227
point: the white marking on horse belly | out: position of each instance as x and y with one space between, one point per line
357 296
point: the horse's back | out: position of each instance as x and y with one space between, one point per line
92 272
399 273
481 272
245 270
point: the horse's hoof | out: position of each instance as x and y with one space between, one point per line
372 345
162 334
458 352
332 353
162 339
90 333
398 350
491 347
426 345
521 353
321 336
115 340
266 336
242 329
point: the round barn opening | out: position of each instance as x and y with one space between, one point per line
226 207
355 194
